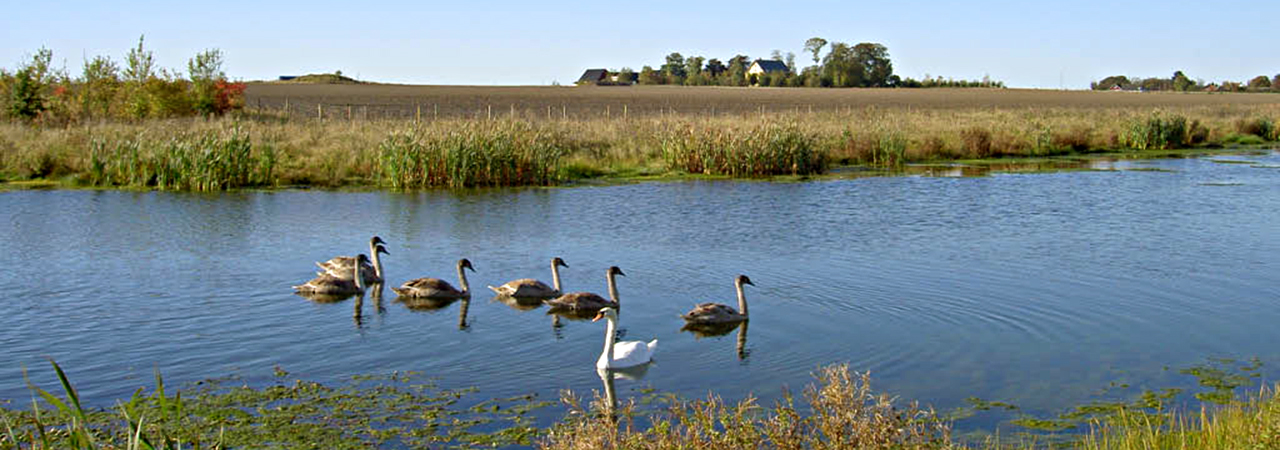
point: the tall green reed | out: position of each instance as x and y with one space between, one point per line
762 150
208 161
470 154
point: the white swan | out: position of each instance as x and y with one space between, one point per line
621 354
529 287
437 288
340 266
718 313
330 285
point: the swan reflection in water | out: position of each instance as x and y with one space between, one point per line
521 303
700 331
607 377
375 293
428 304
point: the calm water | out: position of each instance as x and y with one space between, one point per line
1037 289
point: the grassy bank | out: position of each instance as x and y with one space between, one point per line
270 150
838 411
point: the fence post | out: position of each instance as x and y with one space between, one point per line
437 113
624 111
564 112
418 116
320 111
513 111
489 111
606 111
548 112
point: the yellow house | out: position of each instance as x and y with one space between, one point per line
763 66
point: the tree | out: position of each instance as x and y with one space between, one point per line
814 45
25 100
205 70
737 73
776 55
1275 82
101 81
715 68
1181 83
1260 83
841 67
791 63
650 76
673 70
1113 81
873 61
693 71
139 64
624 76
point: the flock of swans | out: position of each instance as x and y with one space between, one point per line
350 275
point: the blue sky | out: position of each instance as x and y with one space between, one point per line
1024 43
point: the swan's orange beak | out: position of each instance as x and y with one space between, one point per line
599 316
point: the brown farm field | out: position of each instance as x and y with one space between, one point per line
385 101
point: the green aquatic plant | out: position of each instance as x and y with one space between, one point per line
471 154
1158 131
758 151
209 161
398 409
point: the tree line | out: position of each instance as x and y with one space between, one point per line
843 65
1179 82
106 89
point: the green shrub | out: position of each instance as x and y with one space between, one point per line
1260 126
1157 132
26 101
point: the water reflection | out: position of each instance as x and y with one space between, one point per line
375 293
520 303
700 331
325 298
430 305
607 377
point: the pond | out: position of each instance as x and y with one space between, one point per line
1036 289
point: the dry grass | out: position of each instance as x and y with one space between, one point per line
842 413
883 127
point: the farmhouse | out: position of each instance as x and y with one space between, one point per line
605 77
593 76
763 66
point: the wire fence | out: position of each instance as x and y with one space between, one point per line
327 110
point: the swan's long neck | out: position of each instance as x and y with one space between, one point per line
359 282
462 279
608 340
742 299
555 275
377 265
613 290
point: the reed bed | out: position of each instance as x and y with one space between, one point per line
209 161
268 150
470 154
762 150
